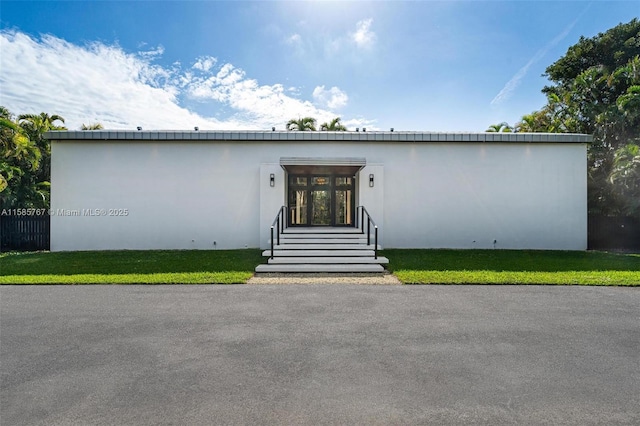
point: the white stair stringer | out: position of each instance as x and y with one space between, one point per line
335 250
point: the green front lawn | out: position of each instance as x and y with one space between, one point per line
129 267
237 266
514 267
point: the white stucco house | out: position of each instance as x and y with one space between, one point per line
223 189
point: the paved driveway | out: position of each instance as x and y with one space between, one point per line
319 354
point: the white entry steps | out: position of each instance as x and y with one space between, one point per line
331 249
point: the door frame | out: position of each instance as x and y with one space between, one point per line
332 187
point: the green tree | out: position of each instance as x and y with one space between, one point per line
500 128
25 154
554 117
610 50
92 126
35 125
530 123
595 89
334 125
302 124
625 178
20 160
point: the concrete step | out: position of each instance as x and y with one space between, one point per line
319 253
321 230
312 268
323 241
327 259
351 236
324 247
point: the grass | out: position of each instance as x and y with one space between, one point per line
129 267
514 267
237 266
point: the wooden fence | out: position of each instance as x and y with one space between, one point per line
25 233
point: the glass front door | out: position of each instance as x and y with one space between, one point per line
320 207
321 200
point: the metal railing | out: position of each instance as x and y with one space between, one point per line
361 211
279 223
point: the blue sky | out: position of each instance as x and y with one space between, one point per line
424 66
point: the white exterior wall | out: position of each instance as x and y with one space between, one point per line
178 195
530 196
186 195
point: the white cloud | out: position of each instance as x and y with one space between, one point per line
158 51
265 104
295 43
360 123
332 98
363 37
205 63
87 84
294 39
101 83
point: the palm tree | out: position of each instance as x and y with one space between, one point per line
93 126
530 123
35 126
334 125
4 112
40 123
302 124
16 144
500 128
20 161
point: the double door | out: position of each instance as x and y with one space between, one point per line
321 200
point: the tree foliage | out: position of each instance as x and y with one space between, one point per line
625 178
304 124
92 126
334 125
308 124
500 128
25 159
595 89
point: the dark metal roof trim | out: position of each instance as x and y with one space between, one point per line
323 161
284 136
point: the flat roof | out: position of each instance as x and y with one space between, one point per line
287 136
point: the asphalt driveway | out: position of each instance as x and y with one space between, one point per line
319 354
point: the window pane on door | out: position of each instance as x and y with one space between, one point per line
319 180
320 207
298 180
342 181
344 208
298 207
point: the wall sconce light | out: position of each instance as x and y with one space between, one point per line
371 180
139 128
272 180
